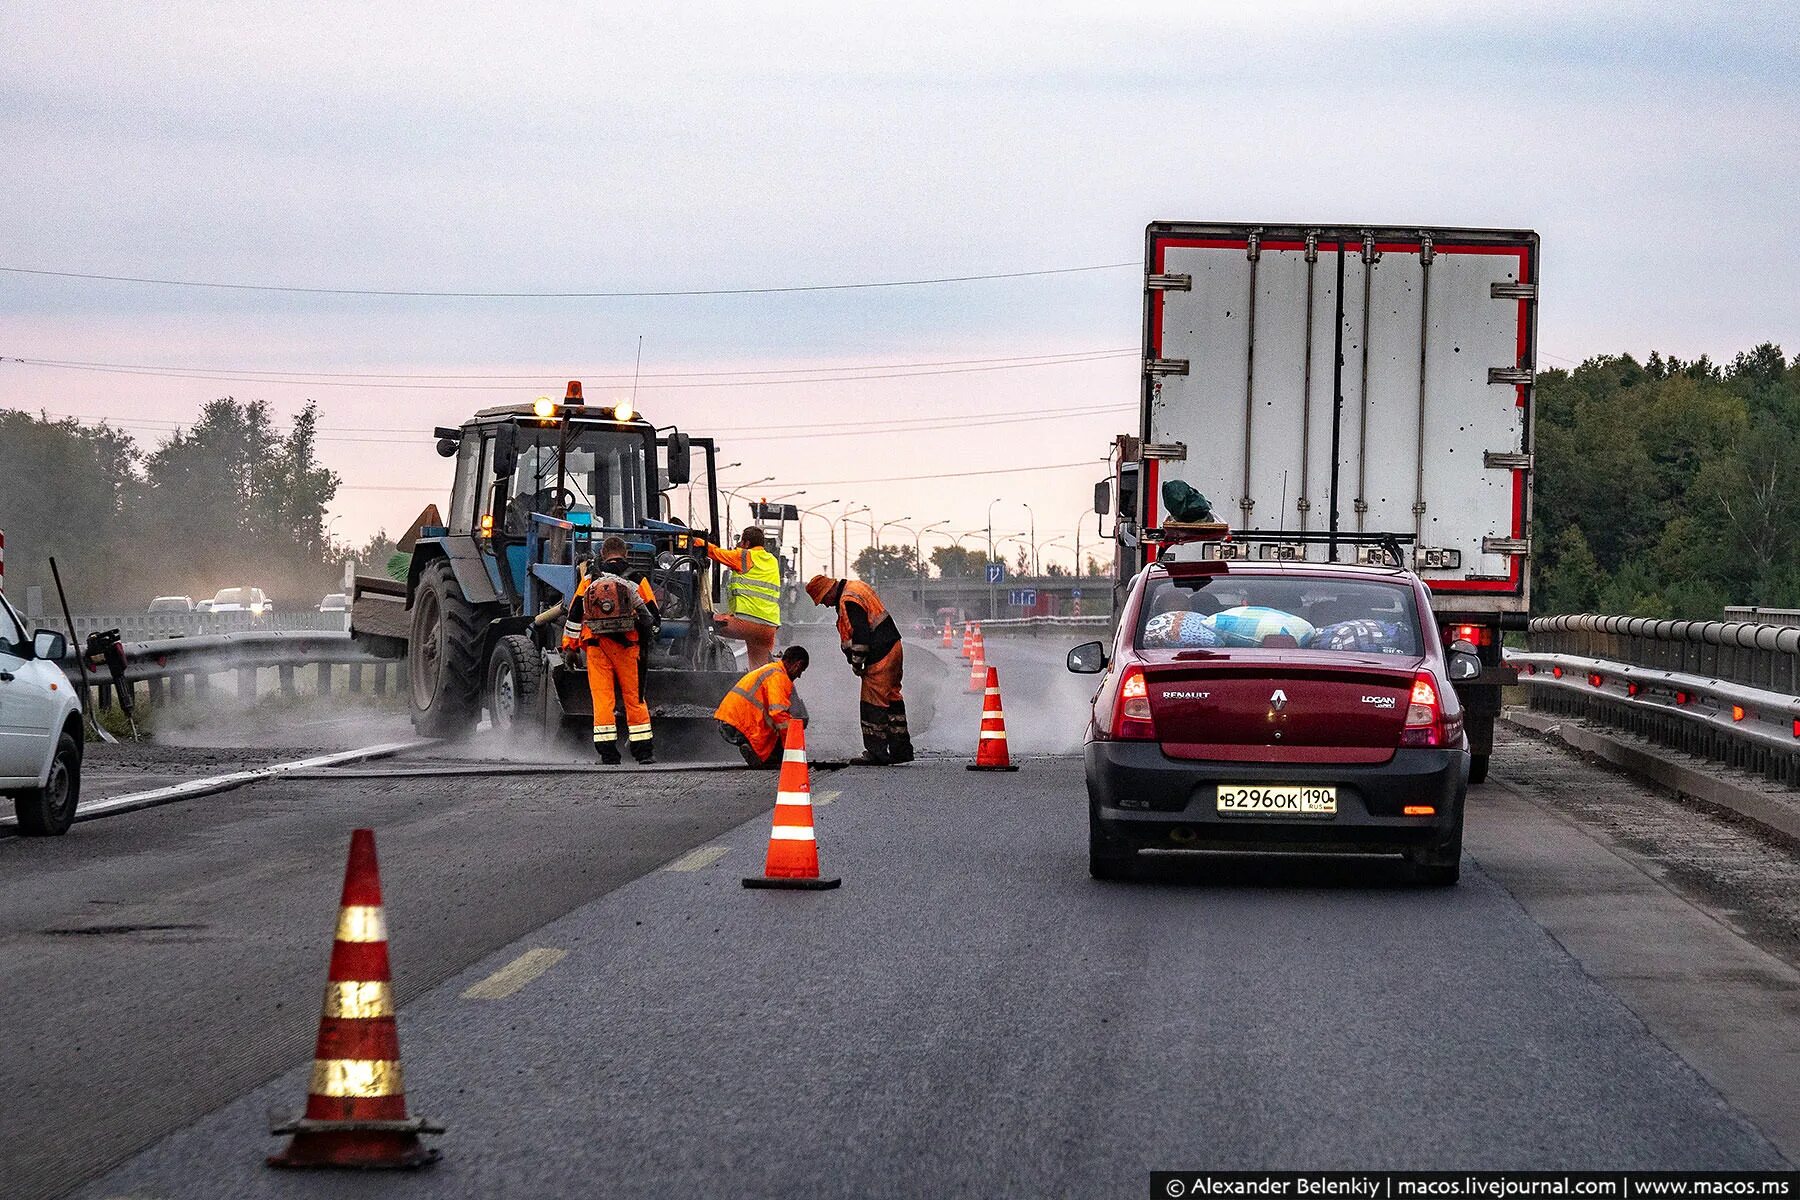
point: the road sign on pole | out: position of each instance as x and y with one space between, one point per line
996 572
1023 597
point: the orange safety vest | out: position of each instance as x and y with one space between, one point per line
864 597
758 706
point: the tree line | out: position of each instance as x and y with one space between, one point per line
231 501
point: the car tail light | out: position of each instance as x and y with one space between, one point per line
1131 721
1425 723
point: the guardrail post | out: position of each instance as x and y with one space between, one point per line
381 671
356 681
246 683
105 697
402 680
284 674
200 685
324 683
155 685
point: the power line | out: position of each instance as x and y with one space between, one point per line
447 295
176 373
1094 462
585 376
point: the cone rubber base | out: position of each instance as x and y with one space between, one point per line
803 885
355 1150
980 767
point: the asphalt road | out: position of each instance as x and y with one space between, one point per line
968 1015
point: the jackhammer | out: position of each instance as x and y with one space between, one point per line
104 648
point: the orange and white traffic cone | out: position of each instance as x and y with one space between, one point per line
968 640
793 860
980 646
991 754
977 671
356 1102
947 642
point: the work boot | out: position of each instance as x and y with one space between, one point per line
609 754
644 752
865 759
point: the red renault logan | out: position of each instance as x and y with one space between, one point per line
1262 706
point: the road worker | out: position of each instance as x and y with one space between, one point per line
755 590
754 715
618 562
871 643
605 622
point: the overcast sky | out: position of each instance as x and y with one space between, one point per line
635 147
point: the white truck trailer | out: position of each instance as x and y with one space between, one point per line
1347 393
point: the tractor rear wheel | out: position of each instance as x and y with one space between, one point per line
515 682
444 656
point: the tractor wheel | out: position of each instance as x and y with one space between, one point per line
515 681
444 656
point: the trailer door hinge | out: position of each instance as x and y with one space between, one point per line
1253 245
1168 283
1516 376
1312 245
1165 366
1505 460
1506 289
1505 545
1369 255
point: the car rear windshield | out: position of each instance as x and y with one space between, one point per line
1279 612
232 596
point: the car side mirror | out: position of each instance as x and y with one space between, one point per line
49 645
1103 496
1089 658
680 469
1465 663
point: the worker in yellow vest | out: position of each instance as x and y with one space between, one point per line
755 593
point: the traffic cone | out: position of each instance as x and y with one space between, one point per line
977 672
356 1102
980 645
991 754
793 860
947 642
968 640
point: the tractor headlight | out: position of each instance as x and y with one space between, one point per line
544 407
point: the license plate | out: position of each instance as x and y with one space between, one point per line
1262 799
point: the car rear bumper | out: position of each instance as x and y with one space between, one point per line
1143 799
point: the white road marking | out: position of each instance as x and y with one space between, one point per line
825 797
516 974
699 858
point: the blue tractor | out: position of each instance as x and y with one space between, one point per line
536 489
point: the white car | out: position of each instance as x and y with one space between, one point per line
171 604
241 599
40 727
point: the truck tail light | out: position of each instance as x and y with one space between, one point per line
1475 635
1425 723
1132 721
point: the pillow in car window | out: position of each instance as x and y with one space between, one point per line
1367 636
1178 631
1249 624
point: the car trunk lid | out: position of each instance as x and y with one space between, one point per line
1279 706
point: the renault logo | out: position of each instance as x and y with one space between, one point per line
1278 701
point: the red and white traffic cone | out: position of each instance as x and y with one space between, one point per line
356 1102
977 671
991 754
947 641
793 860
968 640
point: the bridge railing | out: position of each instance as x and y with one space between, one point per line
1046 626
140 626
169 668
1724 690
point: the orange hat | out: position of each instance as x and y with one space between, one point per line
819 587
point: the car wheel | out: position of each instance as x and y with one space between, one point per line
1107 859
1478 768
50 810
1439 865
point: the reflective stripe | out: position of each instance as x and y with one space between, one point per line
995 715
756 592
356 1077
606 732
798 756
640 735
804 799
359 1000
992 692
790 833
748 583
361 923
994 733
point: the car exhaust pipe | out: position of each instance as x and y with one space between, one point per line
1182 833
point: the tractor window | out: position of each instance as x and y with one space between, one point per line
603 472
464 498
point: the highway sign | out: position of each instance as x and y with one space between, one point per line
1074 593
1024 597
996 572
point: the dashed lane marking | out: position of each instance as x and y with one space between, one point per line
699 858
516 974
825 797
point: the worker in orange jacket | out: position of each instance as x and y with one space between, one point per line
871 643
755 713
605 622
755 590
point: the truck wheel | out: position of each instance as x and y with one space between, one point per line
515 683
1478 767
444 656
50 810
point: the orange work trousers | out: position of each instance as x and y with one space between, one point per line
758 638
612 671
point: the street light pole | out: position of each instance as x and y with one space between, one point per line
992 587
1035 571
848 513
919 558
800 568
731 494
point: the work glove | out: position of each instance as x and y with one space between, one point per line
858 657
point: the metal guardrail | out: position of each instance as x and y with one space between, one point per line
1763 616
1724 690
136 627
1035 626
168 667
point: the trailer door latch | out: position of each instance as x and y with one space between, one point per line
1505 545
1168 283
1515 376
1165 366
1506 289
1505 460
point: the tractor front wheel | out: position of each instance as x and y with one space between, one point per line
444 656
515 685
